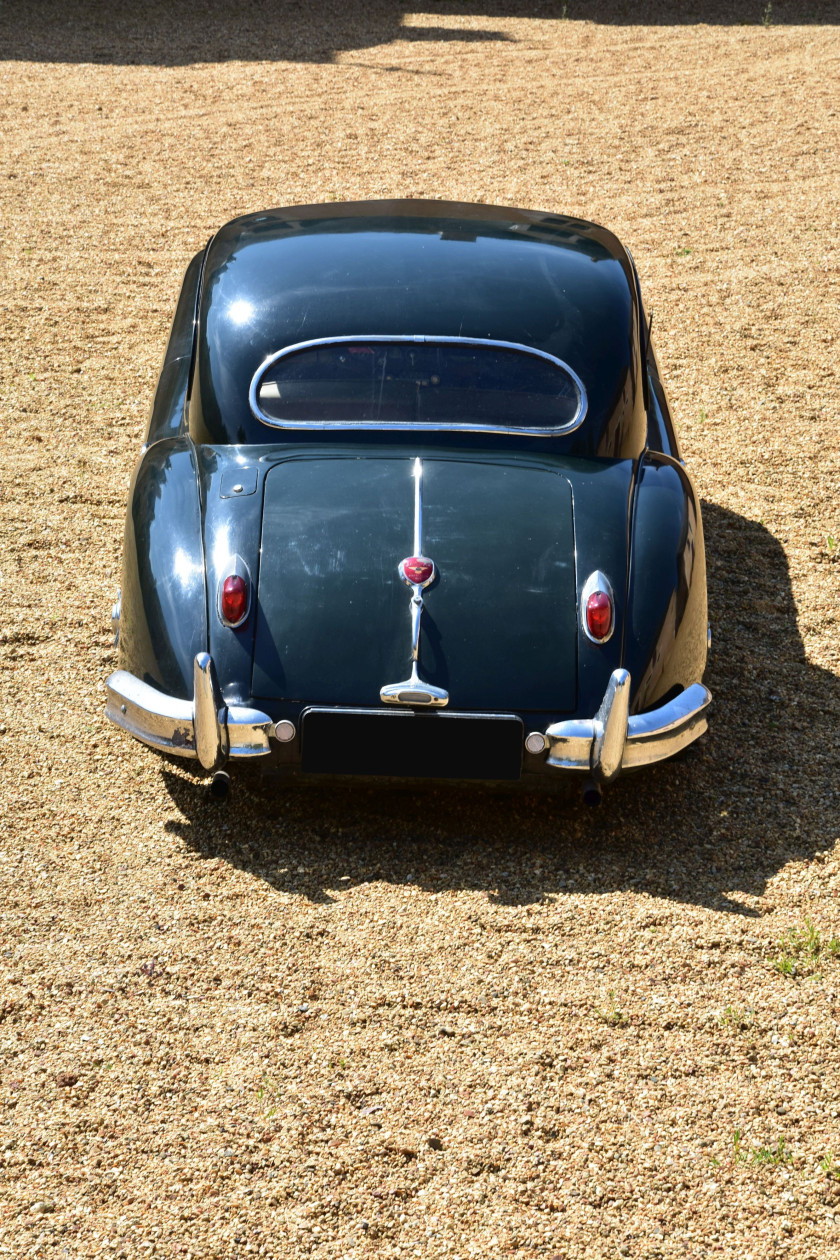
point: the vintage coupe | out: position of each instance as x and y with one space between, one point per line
411 504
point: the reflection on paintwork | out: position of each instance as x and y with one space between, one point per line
240 311
222 549
185 568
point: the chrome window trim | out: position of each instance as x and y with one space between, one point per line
411 426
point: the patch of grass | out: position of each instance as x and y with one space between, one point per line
776 1155
268 1093
773 1156
830 542
703 416
829 1165
682 251
767 15
801 949
737 1017
612 1013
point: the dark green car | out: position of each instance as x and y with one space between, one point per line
411 504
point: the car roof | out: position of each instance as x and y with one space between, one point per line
434 268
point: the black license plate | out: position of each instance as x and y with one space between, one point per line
405 744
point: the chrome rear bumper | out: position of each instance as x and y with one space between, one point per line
211 731
204 727
612 741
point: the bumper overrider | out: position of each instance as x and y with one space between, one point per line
211 731
613 741
204 727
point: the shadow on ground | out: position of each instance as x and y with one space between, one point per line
710 830
177 32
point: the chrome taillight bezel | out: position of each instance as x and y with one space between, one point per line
597 582
235 568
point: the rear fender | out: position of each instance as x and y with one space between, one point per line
166 418
602 492
163 620
232 494
665 638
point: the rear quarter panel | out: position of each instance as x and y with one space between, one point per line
163 622
665 635
167 418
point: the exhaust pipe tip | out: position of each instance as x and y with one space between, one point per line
591 793
220 785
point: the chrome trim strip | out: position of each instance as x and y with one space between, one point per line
417 474
413 690
454 714
171 725
416 617
546 431
596 581
592 744
115 618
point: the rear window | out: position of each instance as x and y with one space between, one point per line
424 383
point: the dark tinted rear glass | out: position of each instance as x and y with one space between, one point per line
427 384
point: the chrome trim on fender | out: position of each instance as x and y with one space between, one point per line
202 728
115 617
611 741
430 427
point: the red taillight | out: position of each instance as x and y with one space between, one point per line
599 614
234 599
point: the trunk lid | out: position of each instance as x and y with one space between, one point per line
500 624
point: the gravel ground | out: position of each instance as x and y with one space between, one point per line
377 1022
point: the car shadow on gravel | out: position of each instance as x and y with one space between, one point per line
759 792
178 33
